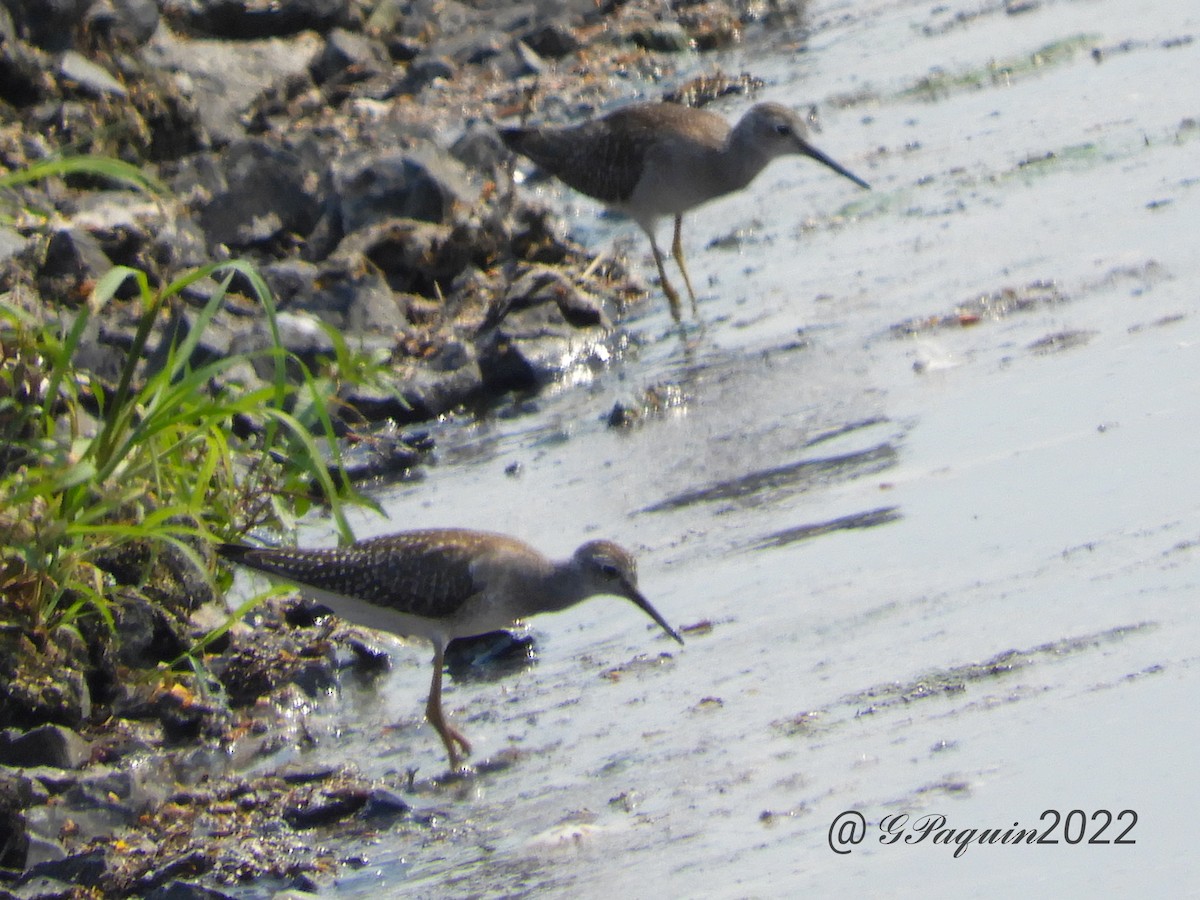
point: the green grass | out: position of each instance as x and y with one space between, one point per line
150 461
89 467
102 168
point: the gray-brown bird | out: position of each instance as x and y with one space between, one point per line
448 583
653 160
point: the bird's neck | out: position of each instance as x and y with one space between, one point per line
741 159
561 586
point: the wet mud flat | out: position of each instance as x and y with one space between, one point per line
919 499
919 496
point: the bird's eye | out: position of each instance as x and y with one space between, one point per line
783 128
609 571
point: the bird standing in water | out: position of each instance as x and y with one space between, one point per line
654 160
448 583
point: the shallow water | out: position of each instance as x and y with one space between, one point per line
944 568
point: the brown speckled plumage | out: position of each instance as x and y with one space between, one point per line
447 583
605 158
653 160
424 573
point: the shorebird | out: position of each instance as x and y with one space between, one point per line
653 160
448 583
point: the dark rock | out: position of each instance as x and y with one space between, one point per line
420 397
241 20
47 745
43 849
49 24
348 57
518 18
553 40
102 351
146 633
125 228
490 656
424 70
169 576
379 455
196 176
197 862
101 803
369 660
417 257
295 774
185 720
250 672
656 400
127 23
212 344
352 294
325 809
315 677
50 781
623 415
15 794
172 124
401 48
326 234
279 104
472 47
581 310
266 199
305 613
383 804
224 79
24 70
291 282
301 334
661 37
176 583
178 244
123 738
525 61
450 378
534 238
82 869
422 184
480 148
183 714
541 284
483 37
186 890
74 261
44 682
526 350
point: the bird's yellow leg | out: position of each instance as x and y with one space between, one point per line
677 252
672 297
451 736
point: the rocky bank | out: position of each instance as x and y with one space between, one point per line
348 150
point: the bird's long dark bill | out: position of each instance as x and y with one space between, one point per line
644 604
813 153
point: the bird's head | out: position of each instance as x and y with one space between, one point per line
774 130
608 568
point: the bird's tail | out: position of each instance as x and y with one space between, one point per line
233 552
514 138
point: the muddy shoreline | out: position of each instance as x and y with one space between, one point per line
346 150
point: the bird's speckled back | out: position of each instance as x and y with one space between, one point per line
604 158
423 573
